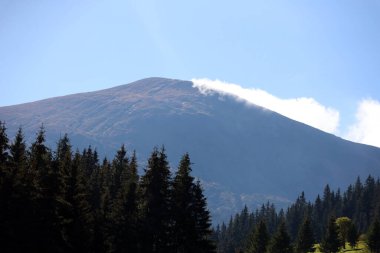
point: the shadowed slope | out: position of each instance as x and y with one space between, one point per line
244 153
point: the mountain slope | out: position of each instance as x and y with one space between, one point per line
243 153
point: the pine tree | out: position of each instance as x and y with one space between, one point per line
155 197
119 168
373 237
331 242
125 212
317 215
183 208
258 241
49 225
103 214
294 212
61 173
305 240
23 215
4 145
203 222
352 235
6 189
79 221
280 242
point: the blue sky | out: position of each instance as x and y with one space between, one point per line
325 50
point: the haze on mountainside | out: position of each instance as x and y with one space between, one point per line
244 154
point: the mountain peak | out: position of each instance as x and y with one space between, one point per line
151 85
240 150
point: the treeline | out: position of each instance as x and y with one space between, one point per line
65 201
360 203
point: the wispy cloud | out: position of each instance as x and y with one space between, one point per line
305 110
366 129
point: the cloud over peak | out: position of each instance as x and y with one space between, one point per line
305 110
366 129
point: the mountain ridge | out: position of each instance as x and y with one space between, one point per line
238 149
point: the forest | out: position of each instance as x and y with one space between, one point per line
332 221
63 200
66 201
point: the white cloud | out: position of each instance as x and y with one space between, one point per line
305 110
367 126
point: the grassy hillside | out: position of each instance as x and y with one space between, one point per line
361 248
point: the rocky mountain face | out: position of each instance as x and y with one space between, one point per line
244 154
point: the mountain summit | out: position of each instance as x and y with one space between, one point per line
242 153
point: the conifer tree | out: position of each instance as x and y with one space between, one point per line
6 188
61 167
352 236
183 208
203 222
331 242
258 241
125 212
23 216
49 225
155 196
119 168
305 240
280 242
102 213
4 145
373 237
79 222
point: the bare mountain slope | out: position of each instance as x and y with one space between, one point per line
244 154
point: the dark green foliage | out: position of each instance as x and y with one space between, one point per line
373 237
294 213
232 237
344 224
155 212
125 209
258 240
280 242
78 223
48 197
305 239
183 209
202 222
4 145
6 188
331 242
352 235
60 202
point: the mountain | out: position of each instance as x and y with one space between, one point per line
242 153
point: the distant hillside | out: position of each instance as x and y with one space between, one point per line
244 154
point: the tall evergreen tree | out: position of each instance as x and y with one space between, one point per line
4 145
125 212
120 171
79 221
203 222
183 208
305 240
6 189
373 237
352 236
155 196
49 225
331 242
23 215
258 241
280 242
102 213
